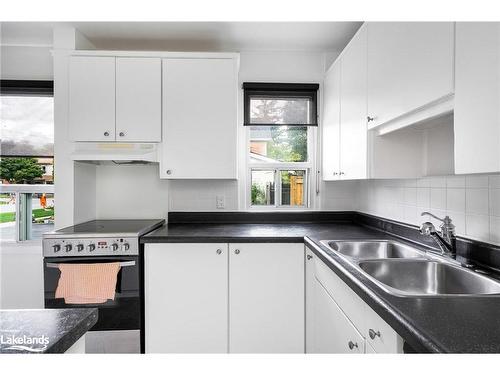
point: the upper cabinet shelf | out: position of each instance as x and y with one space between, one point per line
410 72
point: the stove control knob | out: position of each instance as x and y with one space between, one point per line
114 246
91 247
56 248
79 247
68 247
126 246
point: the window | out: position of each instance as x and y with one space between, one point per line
279 119
26 159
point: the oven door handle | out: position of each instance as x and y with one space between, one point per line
122 264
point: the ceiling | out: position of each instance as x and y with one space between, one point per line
192 36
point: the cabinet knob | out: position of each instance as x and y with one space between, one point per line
335 173
370 119
106 134
309 257
121 134
219 251
373 334
237 251
352 345
342 173
169 171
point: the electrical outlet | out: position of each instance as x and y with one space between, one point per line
220 202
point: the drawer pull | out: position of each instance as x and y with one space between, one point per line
373 334
352 345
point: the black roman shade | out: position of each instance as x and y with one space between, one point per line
276 104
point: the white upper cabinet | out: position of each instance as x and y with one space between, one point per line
331 123
477 97
115 99
92 98
410 68
353 130
138 99
344 124
199 118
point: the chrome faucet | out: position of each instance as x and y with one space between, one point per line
445 239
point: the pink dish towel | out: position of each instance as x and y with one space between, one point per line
87 283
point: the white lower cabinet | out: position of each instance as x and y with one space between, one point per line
340 316
309 289
333 331
219 297
185 292
266 298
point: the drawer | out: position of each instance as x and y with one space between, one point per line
350 303
380 335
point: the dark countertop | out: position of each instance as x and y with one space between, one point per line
427 324
55 330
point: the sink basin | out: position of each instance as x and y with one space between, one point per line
427 278
362 250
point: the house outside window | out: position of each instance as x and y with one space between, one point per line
280 119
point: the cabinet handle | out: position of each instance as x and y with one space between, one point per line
169 171
309 257
373 334
369 119
342 173
237 251
352 345
122 134
106 134
219 251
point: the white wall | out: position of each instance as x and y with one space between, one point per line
26 62
21 276
130 192
472 201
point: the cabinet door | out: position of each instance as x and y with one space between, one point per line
185 292
331 123
266 298
477 97
410 64
353 129
138 99
200 119
92 98
309 270
333 332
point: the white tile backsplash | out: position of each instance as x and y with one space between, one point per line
477 226
455 199
438 198
472 201
494 202
477 201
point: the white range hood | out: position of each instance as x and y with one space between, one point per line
118 153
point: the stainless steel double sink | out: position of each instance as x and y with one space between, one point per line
405 270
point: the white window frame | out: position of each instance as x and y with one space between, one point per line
310 175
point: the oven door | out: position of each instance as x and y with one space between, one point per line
122 313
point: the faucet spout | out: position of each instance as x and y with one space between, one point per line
445 239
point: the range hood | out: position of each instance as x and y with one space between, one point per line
117 153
